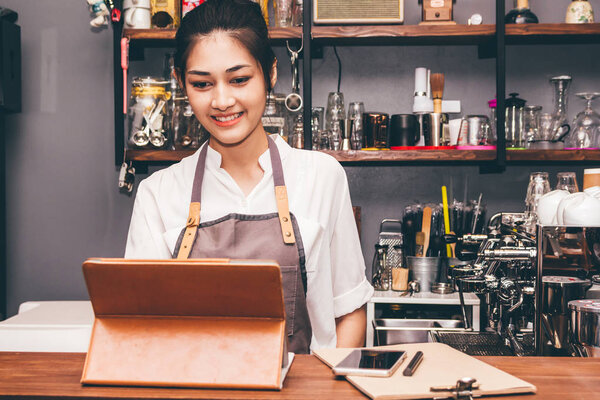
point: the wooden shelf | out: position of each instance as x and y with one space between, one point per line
406 34
169 34
553 155
157 155
361 156
405 156
552 33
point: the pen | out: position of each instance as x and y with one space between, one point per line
414 364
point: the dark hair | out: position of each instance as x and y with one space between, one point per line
241 19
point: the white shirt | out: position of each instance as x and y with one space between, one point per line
318 196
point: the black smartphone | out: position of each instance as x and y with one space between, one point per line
370 362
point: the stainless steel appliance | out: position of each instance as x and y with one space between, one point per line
585 327
568 256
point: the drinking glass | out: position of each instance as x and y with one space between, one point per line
316 124
567 181
546 127
538 186
355 112
585 126
335 135
283 13
531 123
336 110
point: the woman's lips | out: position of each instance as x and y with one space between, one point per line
227 120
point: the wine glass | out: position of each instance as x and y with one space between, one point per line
586 125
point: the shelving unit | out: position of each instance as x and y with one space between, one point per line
495 37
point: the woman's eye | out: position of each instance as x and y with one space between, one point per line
200 85
241 80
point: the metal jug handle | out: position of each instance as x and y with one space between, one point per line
561 136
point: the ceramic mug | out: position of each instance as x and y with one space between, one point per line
136 14
579 209
548 207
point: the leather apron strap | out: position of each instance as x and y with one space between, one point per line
281 198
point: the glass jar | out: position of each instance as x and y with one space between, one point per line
273 119
538 186
184 127
531 123
147 113
514 121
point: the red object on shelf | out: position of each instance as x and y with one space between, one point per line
476 147
423 147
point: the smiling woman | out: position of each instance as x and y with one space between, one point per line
260 198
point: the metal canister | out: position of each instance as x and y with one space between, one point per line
585 327
557 292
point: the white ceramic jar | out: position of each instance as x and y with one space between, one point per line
580 12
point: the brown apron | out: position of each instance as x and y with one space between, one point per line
268 236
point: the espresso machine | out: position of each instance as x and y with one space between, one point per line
539 291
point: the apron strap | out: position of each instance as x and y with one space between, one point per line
283 209
194 214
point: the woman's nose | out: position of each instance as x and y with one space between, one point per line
222 99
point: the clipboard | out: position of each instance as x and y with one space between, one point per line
442 366
211 323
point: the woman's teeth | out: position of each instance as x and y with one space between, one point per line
229 118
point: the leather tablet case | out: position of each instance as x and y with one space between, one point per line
191 323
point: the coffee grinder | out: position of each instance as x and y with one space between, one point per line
436 12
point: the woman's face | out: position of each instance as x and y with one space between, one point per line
226 88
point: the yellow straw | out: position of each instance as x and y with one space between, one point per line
446 219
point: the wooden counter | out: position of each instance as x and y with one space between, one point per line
56 375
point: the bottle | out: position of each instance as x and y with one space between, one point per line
521 14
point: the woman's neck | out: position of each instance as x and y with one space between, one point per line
241 160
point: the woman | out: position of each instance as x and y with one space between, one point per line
226 67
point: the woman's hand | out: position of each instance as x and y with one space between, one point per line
350 328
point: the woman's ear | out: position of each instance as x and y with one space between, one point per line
274 74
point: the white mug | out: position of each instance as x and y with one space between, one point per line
579 209
548 206
136 14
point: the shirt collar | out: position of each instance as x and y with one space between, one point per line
213 157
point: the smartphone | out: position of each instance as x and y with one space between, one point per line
370 363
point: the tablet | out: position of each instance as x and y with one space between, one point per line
370 362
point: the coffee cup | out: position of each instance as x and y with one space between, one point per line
457 128
548 206
579 209
136 14
591 177
404 129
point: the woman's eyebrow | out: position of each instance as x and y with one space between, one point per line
228 70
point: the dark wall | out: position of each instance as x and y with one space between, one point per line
63 204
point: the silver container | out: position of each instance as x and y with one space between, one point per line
585 327
425 270
398 331
557 292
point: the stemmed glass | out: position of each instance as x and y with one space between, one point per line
586 125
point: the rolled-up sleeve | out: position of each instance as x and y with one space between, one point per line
350 287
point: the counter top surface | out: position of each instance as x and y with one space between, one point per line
56 375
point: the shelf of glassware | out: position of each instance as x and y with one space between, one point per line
169 34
